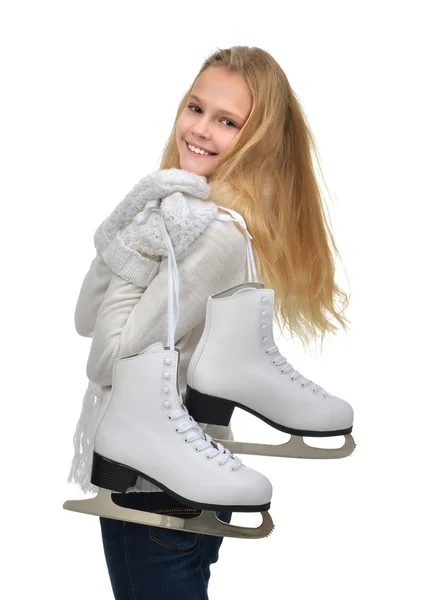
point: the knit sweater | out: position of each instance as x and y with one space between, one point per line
124 318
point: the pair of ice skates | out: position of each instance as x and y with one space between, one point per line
147 430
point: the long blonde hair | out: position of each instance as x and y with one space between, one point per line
268 167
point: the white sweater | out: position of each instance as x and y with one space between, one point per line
123 318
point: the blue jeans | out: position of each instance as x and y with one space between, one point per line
146 562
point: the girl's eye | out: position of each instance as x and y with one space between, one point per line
191 106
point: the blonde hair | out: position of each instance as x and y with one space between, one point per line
268 168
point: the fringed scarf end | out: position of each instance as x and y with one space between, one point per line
83 439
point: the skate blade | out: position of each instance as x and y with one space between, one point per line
294 448
207 523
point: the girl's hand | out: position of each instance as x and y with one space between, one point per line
136 250
185 218
153 187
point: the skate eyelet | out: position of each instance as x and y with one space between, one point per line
196 449
169 417
185 441
273 362
266 351
292 379
232 470
302 385
219 464
314 391
176 430
207 457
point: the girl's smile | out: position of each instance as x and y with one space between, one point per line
198 155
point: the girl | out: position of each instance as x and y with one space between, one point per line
241 127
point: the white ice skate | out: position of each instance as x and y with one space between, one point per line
237 364
147 431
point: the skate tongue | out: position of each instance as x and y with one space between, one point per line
244 291
153 349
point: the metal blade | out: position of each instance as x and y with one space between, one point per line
207 523
294 448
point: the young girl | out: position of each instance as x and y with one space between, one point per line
241 127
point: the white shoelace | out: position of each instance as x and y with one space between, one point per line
281 360
203 440
235 216
252 275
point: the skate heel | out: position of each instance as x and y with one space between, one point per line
208 409
111 475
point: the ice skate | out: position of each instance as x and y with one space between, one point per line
147 431
237 364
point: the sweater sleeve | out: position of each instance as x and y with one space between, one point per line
92 292
129 321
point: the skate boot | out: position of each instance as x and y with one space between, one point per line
237 364
147 431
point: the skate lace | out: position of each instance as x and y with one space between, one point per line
252 275
235 216
288 368
188 425
203 440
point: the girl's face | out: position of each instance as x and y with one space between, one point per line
216 110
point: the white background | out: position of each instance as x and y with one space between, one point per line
89 94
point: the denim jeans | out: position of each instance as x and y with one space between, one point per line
146 562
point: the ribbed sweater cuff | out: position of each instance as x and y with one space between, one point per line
129 264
